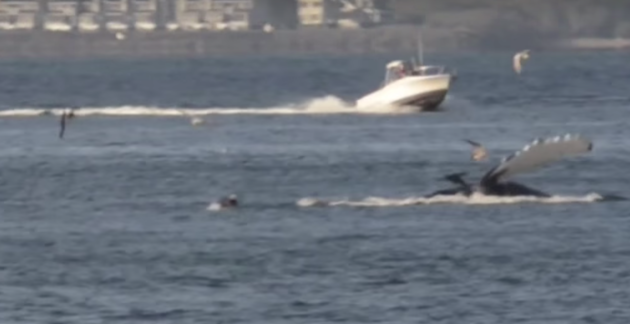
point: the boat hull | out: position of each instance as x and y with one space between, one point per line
429 101
424 92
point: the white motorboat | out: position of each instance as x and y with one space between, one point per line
408 84
423 86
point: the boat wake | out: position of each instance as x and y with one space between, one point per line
322 105
475 199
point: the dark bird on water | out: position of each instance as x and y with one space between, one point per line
479 152
229 202
62 124
225 203
65 116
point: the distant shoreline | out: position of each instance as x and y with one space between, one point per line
389 39
597 43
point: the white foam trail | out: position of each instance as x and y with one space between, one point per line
475 199
323 105
327 104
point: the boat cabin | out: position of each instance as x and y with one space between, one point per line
396 70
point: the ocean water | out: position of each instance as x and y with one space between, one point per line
111 224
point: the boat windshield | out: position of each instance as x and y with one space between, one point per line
398 69
429 70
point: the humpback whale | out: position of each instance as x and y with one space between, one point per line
534 155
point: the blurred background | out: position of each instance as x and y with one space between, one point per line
106 28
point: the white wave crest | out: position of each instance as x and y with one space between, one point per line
475 199
322 105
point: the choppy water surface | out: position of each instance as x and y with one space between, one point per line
110 225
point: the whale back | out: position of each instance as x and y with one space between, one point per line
537 154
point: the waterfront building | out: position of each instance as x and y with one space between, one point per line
59 15
235 14
88 16
360 13
189 15
15 14
144 14
341 13
277 14
148 15
224 14
115 15
317 12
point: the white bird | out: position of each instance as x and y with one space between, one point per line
518 60
268 28
479 152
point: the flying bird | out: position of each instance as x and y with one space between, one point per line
479 152
518 60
